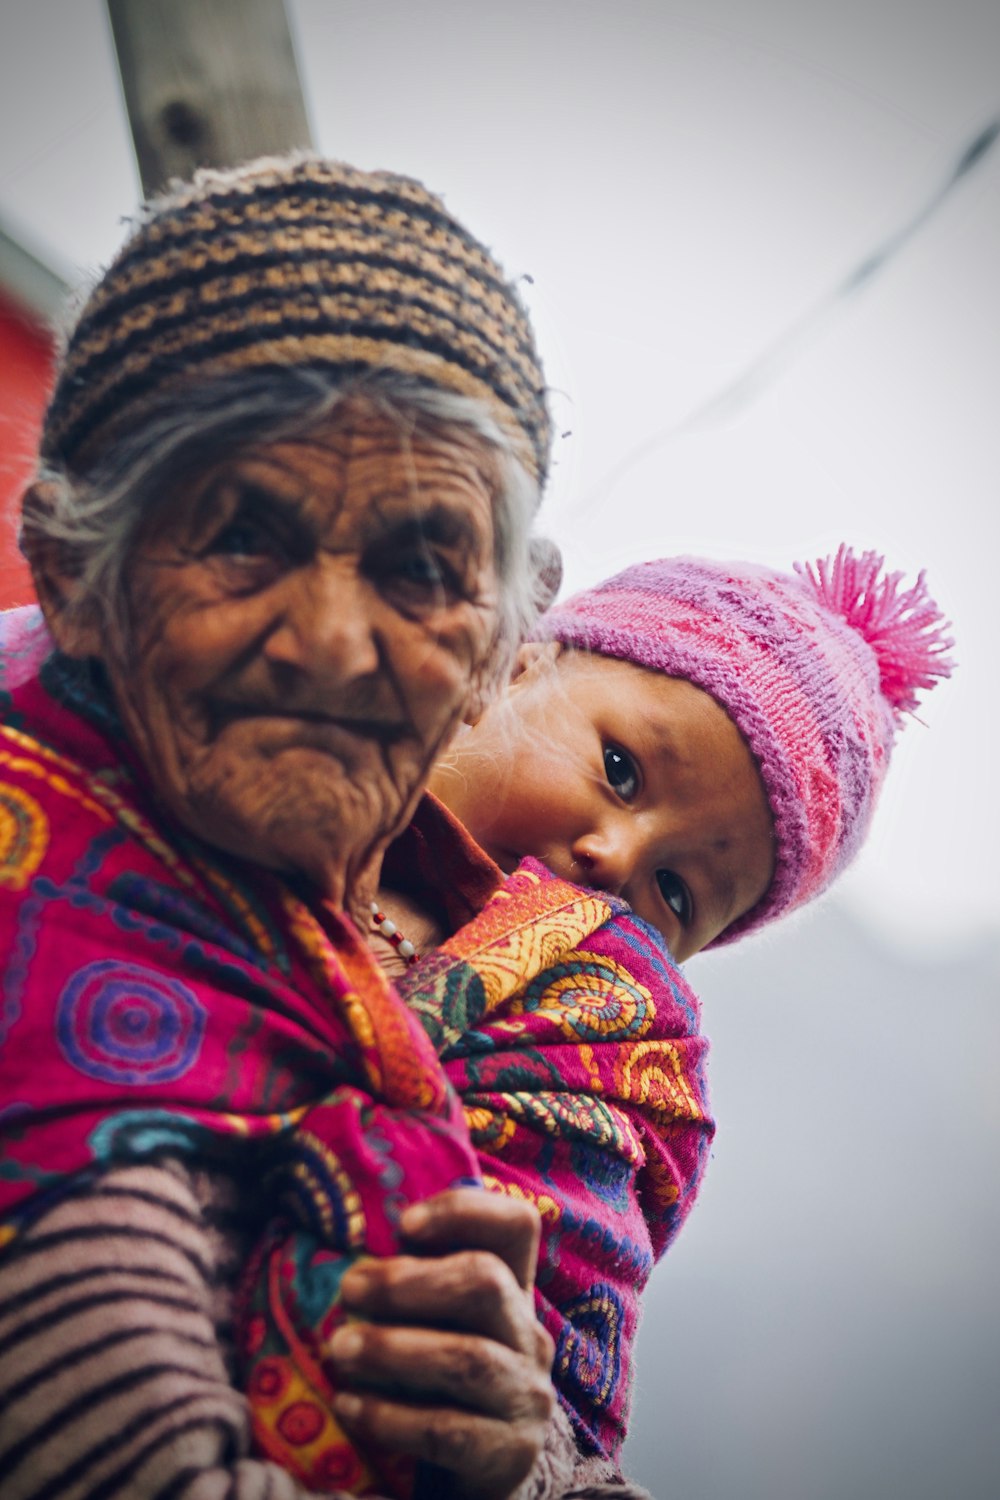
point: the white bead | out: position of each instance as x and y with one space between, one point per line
387 928
374 908
406 948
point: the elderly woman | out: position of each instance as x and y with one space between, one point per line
280 536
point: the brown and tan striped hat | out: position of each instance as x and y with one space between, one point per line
296 261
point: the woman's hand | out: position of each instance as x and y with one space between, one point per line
450 1364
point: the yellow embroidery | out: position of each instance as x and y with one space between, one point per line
22 766
548 1207
652 1074
24 837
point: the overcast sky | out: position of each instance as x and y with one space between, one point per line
684 183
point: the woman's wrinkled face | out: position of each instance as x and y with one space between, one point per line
309 620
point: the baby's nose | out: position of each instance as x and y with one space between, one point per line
605 860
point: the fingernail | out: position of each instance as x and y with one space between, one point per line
356 1281
416 1218
346 1405
346 1343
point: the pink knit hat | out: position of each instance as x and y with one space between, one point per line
816 669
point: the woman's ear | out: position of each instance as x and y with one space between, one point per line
534 657
547 565
70 614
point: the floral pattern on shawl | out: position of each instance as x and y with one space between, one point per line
159 998
572 1042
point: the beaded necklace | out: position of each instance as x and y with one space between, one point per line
387 928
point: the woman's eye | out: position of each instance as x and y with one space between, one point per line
676 895
243 538
419 576
621 772
422 568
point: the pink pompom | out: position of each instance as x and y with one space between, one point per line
904 628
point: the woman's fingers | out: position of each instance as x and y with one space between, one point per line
472 1291
487 1457
447 1360
449 1369
471 1219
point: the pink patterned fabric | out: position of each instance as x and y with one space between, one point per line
160 998
816 669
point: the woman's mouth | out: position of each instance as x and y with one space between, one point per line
283 728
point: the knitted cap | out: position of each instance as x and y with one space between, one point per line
816 670
296 261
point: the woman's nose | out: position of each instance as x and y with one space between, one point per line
328 624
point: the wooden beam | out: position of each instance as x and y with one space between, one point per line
206 83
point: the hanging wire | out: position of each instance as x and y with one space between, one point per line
766 366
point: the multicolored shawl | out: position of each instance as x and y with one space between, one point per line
159 998
573 1044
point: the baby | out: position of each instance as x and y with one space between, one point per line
706 740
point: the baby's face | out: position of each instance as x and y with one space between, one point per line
623 779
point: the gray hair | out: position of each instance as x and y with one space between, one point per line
96 520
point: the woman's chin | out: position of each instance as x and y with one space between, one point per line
292 833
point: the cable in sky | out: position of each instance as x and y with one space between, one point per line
765 368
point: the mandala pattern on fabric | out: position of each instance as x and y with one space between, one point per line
24 837
126 1024
318 1191
292 1417
592 998
270 1379
588 1351
654 1074
301 1423
340 1469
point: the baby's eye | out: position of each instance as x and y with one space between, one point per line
622 772
676 895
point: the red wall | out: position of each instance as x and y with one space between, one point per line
25 365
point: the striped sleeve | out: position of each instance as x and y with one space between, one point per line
115 1314
113 1378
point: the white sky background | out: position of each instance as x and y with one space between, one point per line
682 182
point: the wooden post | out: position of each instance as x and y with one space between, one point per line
206 83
